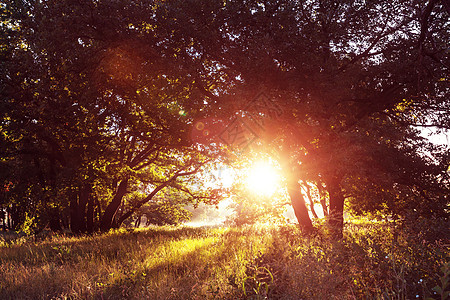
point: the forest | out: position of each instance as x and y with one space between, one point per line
120 120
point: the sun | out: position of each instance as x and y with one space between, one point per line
262 179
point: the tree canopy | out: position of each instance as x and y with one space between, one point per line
101 103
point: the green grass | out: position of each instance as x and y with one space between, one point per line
232 263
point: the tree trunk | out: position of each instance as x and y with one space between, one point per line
300 209
82 205
97 212
311 201
323 202
75 225
111 210
10 227
3 220
90 215
65 221
78 210
336 217
10 218
55 220
137 223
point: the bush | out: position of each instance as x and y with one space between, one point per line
367 263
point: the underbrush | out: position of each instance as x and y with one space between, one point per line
373 261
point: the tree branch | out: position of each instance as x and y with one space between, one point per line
180 173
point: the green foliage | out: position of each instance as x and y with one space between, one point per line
101 100
251 210
257 281
27 225
86 111
161 211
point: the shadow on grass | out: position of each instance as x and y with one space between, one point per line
69 248
44 268
181 276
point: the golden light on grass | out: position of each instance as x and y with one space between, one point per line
263 179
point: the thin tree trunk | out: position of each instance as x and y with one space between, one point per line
116 221
111 210
300 209
98 213
138 221
55 220
336 217
78 210
3 220
10 220
82 206
294 191
311 202
75 226
323 201
65 221
90 215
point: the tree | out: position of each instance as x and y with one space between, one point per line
102 88
101 104
349 76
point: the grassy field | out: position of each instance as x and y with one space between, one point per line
258 262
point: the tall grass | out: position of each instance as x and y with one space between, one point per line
261 262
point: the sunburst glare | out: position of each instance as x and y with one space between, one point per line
263 179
